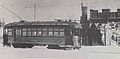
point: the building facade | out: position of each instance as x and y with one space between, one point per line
104 16
109 19
85 25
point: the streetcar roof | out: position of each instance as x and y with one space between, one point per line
67 23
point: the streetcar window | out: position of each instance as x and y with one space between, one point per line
61 34
29 32
44 32
56 32
10 32
52 23
58 23
24 32
47 24
50 32
33 32
64 23
5 31
18 32
61 29
38 32
41 23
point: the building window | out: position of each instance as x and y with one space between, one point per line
91 15
94 15
99 15
24 32
110 15
113 15
118 14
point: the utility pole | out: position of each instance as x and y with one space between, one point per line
35 12
118 4
106 4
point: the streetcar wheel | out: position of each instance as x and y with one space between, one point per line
18 45
15 45
53 47
74 48
67 48
29 46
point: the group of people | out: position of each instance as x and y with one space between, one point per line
93 36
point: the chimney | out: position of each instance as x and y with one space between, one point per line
118 10
105 10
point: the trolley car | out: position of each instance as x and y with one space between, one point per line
25 34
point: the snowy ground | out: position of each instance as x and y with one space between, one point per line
98 52
86 52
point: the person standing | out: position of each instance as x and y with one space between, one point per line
93 34
5 39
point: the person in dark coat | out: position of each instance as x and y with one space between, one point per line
98 37
93 26
92 34
5 39
112 37
90 37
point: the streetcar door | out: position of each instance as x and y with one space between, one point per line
17 34
69 40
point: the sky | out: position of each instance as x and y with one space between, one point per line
51 9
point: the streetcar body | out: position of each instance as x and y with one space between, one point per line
29 34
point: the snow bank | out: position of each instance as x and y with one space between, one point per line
86 52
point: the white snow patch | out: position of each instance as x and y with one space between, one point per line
86 52
1 32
